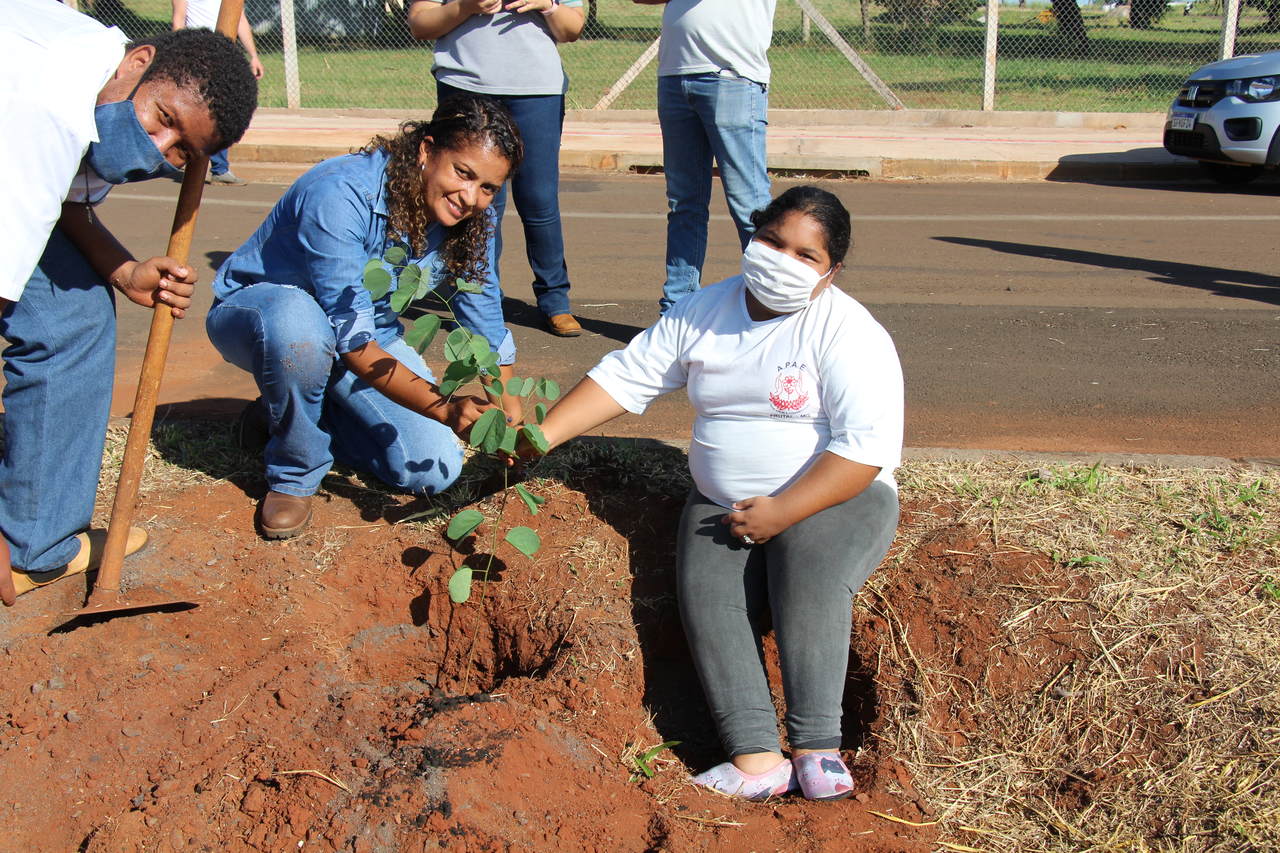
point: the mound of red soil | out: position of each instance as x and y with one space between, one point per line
327 693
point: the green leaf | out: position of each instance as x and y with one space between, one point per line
395 255
447 387
377 281
524 540
409 276
489 361
461 372
509 438
480 347
424 287
532 501
548 389
457 346
533 432
469 286
495 387
516 386
422 332
642 761
373 264
402 298
463 523
493 440
460 585
484 427
539 413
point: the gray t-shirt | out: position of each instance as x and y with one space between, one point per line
506 53
707 36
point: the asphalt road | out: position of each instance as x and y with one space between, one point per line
1038 316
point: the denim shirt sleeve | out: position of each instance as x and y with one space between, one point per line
334 224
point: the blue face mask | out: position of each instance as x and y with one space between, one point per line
124 151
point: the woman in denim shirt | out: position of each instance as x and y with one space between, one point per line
336 376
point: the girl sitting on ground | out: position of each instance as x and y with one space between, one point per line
799 408
336 376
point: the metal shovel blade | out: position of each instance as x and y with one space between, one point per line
105 605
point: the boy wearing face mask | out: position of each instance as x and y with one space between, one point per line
81 110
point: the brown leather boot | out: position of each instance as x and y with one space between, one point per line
564 325
281 516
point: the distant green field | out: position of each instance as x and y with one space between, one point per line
941 68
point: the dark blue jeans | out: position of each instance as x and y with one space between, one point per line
218 163
58 366
805 577
536 189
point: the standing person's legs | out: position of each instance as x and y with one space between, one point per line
815 567
735 112
686 162
58 369
282 336
219 164
373 433
535 188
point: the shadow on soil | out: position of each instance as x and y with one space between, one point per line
1239 284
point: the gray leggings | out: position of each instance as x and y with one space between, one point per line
807 576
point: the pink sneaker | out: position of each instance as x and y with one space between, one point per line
822 776
729 780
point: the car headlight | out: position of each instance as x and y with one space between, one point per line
1255 88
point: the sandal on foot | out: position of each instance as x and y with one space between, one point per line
729 780
87 559
823 776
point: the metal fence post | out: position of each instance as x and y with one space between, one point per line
288 34
989 56
1230 21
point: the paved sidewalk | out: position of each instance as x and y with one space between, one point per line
919 144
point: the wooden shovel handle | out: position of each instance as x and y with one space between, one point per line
144 404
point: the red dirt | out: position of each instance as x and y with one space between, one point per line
340 653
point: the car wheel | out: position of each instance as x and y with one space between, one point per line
1231 176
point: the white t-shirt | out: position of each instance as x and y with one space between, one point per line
708 36
53 63
202 13
769 396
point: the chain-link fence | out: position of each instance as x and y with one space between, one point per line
826 54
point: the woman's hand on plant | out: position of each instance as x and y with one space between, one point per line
460 413
757 520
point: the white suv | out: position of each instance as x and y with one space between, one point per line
1227 116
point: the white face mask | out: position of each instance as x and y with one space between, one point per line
780 282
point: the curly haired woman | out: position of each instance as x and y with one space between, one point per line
337 379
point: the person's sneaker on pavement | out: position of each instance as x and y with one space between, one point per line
226 179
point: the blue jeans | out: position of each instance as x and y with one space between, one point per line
59 366
536 189
706 117
218 163
319 410
805 577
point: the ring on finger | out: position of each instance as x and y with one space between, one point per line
748 540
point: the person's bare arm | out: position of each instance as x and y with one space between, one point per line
8 594
565 22
431 20
245 32
585 407
830 480
179 14
398 383
156 280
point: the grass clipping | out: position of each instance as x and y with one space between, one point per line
1166 734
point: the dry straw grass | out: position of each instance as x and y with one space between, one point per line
1166 734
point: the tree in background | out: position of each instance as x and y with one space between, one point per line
1071 25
